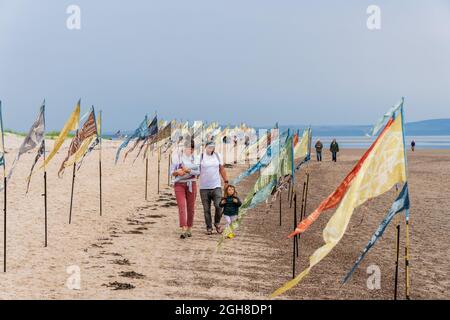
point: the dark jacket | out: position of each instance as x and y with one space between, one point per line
334 147
229 207
319 146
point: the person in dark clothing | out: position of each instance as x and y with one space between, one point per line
413 145
334 148
319 147
230 204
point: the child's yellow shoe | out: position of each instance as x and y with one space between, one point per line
231 235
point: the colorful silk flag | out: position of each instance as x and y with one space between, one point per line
381 167
280 166
399 205
82 153
271 152
39 154
71 125
302 149
148 140
140 133
81 142
33 139
393 110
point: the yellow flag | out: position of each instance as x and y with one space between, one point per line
301 148
381 170
71 125
80 152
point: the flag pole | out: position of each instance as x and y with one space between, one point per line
71 194
295 242
159 167
45 190
280 207
146 175
100 160
4 221
407 275
4 190
168 169
396 262
306 194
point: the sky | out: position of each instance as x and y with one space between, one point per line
253 61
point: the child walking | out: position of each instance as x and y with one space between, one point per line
230 204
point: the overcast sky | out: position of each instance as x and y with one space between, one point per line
258 61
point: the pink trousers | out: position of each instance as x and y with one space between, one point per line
186 203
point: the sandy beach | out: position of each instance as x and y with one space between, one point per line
134 252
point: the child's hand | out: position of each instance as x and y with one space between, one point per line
235 200
186 170
223 201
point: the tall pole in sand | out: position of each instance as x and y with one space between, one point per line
295 241
71 194
407 275
100 159
169 162
146 176
396 262
159 167
3 163
45 189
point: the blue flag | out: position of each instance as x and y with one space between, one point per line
271 151
400 204
140 133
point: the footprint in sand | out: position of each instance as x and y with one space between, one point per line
156 216
122 262
131 274
115 254
133 232
119 286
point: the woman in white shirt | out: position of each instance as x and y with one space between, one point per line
211 170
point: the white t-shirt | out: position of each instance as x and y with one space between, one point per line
209 171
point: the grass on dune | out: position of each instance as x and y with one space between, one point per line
49 135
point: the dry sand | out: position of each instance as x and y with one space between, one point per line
136 242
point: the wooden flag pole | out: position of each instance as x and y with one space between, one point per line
168 169
306 194
100 162
4 188
45 190
280 207
295 241
71 194
4 221
45 207
396 262
146 177
407 261
159 166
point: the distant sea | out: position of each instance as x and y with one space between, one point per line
361 142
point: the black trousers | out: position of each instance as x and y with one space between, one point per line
214 196
319 155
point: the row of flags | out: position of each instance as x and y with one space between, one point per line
81 145
383 166
275 170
